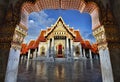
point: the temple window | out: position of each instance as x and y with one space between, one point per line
42 51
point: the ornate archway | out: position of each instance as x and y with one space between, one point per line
103 25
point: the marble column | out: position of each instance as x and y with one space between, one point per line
52 43
90 54
81 55
69 56
34 53
50 52
66 42
29 54
106 69
48 49
12 67
71 43
53 51
109 51
84 53
67 46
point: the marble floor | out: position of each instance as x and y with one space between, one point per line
77 71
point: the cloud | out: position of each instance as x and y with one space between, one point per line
31 21
36 22
89 36
40 19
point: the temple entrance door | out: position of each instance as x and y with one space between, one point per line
60 55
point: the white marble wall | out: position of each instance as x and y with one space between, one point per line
12 67
75 45
106 68
42 44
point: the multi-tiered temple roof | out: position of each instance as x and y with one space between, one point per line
44 33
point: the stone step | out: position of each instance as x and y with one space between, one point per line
60 59
39 58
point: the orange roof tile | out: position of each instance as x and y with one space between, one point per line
87 43
48 29
31 44
24 49
78 37
71 29
41 38
83 44
35 45
94 48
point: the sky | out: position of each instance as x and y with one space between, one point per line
45 18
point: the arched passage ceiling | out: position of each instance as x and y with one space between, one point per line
79 5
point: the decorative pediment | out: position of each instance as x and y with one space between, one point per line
60 26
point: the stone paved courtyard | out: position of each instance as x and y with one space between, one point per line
77 71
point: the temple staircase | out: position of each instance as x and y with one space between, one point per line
60 59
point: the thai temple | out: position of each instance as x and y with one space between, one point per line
59 42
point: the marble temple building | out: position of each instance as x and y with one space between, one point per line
59 42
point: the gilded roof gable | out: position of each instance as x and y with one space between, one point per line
60 26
